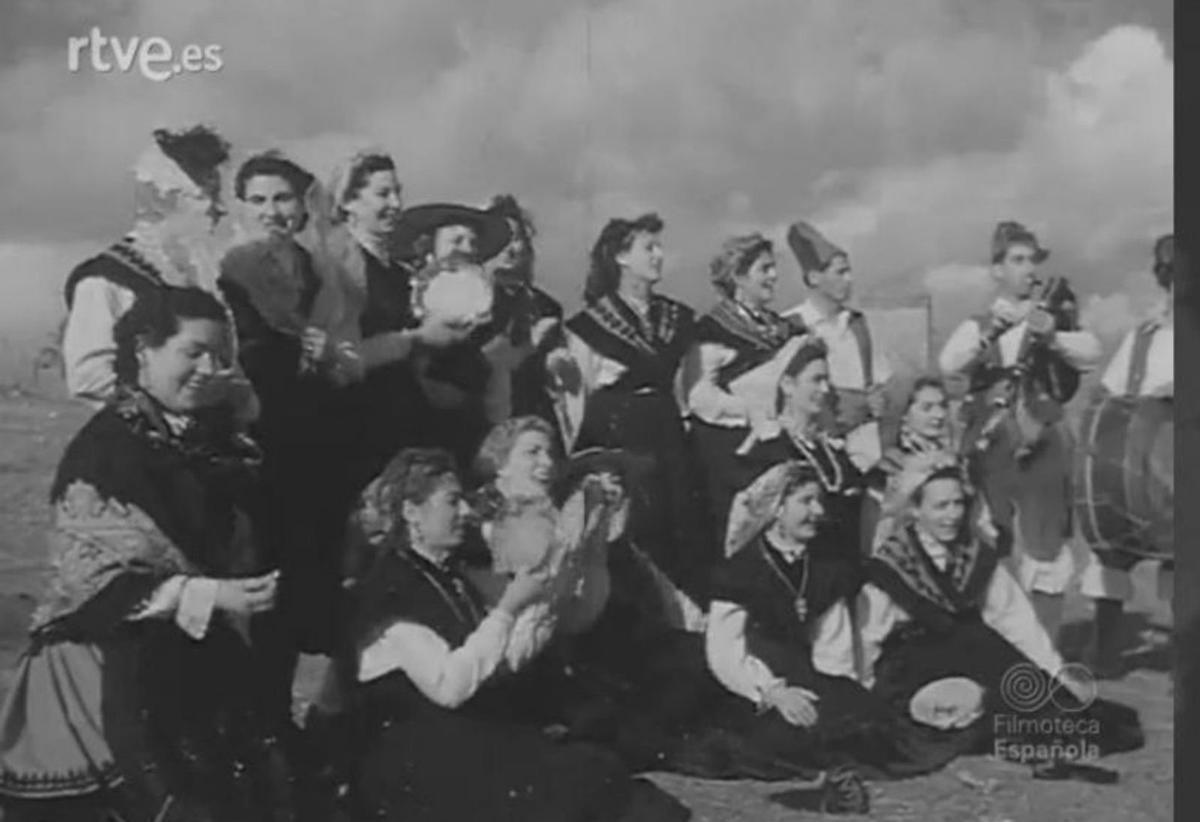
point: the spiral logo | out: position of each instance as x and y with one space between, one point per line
1025 688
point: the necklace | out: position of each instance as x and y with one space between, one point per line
800 602
472 616
829 483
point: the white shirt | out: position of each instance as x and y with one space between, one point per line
737 669
446 676
88 348
1006 609
845 358
1160 361
1080 349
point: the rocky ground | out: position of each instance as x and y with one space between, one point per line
33 433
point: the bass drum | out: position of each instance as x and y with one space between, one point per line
1124 476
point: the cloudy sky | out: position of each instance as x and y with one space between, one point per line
904 129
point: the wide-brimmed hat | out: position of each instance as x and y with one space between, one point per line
631 469
1009 233
952 702
492 230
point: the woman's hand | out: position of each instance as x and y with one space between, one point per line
248 595
796 705
525 588
314 344
435 333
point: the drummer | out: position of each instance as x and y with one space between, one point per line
1144 366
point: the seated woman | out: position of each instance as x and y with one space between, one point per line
780 637
619 646
141 694
923 425
940 609
436 696
801 402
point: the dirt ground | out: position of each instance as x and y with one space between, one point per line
33 433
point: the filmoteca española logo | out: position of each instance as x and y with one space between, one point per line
1026 688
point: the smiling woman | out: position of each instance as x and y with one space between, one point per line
139 694
737 349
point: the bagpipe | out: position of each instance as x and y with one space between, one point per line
1031 394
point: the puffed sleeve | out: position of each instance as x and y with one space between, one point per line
728 657
705 398
878 615
446 676
89 350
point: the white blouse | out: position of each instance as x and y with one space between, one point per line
445 676
741 672
1080 349
1006 609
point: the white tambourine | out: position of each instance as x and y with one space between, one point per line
461 297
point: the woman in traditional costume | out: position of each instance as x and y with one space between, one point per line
176 209
780 637
141 694
618 649
922 425
271 284
618 381
741 345
949 637
442 739
802 400
526 324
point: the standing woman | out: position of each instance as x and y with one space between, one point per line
526 324
736 356
177 205
801 402
141 694
617 379
371 315
271 284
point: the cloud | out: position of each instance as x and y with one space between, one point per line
906 130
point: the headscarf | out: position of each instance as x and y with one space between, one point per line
181 258
916 470
755 508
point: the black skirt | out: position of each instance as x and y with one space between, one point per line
1013 711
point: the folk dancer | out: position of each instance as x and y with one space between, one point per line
734 366
177 206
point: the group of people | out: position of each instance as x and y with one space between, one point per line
533 556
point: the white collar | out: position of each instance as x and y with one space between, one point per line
791 553
813 316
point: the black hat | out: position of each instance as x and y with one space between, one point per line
1010 233
492 229
813 251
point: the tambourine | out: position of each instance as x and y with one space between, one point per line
460 297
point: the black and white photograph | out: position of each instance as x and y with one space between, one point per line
589 411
